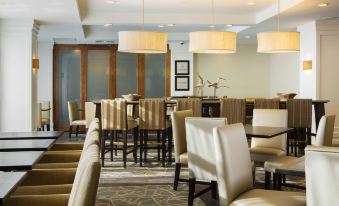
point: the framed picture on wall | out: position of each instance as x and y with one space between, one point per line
182 67
182 83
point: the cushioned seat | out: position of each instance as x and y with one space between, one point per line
43 189
261 154
78 123
56 165
183 158
258 197
276 163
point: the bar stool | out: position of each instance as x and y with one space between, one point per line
114 119
193 104
152 117
299 118
74 120
266 103
233 109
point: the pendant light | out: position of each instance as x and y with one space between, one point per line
278 42
142 41
213 42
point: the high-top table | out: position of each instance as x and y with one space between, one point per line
10 161
30 135
26 145
8 182
265 132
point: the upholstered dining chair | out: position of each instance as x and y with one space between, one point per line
322 169
180 144
264 149
201 159
152 118
193 104
90 109
266 103
233 109
45 114
74 120
323 137
234 172
114 119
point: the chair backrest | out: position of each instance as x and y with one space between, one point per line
193 104
299 113
270 118
73 112
322 169
200 146
86 179
179 132
92 135
152 114
266 103
90 108
233 109
113 114
45 115
325 130
233 162
132 111
38 115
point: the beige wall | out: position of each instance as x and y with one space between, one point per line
247 72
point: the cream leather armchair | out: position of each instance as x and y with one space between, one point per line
322 173
201 159
234 172
73 188
180 144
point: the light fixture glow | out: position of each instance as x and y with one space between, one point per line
111 1
107 25
307 64
251 3
170 25
229 25
35 63
160 26
323 4
247 37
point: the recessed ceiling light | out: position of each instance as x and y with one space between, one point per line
229 25
107 25
212 26
323 4
111 1
170 24
247 37
251 3
160 26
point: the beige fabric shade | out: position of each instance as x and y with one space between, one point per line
216 42
278 42
142 42
35 63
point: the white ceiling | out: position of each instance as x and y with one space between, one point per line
83 20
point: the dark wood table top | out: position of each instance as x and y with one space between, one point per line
30 135
265 132
8 182
19 160
26 145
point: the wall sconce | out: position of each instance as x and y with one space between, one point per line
35 63
307 65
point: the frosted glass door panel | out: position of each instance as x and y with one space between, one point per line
97 74
69 81
155 65
126 73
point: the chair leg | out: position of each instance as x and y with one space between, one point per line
124 155
141 145
191 191
111 145
135 147
274 181
48 127
176 175
163 147
116 140
102 148
214 185
267 180
70 132
158 147
169 145
77 130
145 145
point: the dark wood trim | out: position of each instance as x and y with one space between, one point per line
83 79
141 75
168 72
112 72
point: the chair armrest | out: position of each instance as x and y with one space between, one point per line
61 146
49 177
33 200
60 157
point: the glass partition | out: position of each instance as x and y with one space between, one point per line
126 73
155 65
69 81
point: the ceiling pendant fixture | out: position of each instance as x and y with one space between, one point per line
279 41
213 42
142 41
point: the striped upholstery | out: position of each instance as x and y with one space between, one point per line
45 115
152 114
193 104
233 109
266 103
114 114
299 113
89 112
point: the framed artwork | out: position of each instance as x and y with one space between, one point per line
182 67
182 83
